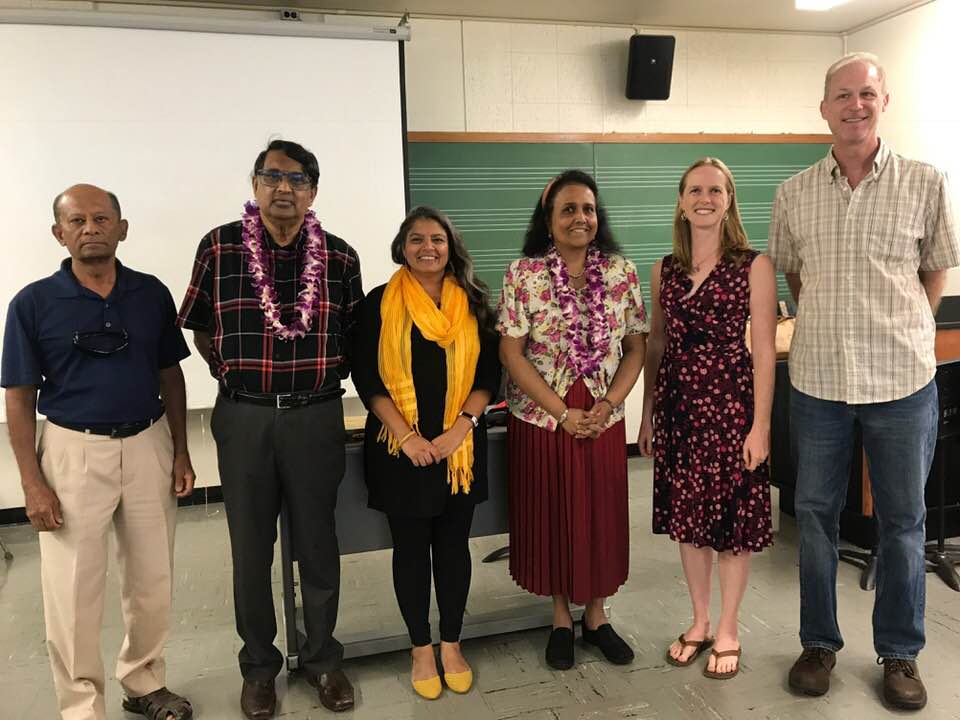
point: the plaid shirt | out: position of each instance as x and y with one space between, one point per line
244 354
864 330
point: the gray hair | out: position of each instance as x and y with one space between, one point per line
860 57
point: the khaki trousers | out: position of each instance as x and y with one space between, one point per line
103 482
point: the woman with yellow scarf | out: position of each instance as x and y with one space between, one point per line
425 365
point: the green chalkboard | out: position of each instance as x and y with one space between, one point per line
489 190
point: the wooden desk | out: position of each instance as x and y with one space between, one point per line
856 520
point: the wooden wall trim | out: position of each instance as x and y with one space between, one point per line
632 138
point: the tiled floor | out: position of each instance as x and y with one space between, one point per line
512 680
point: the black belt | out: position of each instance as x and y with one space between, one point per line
281 401
123 430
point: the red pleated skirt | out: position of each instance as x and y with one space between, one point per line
569 525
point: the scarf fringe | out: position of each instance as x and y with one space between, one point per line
392 441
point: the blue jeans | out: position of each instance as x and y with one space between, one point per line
899 438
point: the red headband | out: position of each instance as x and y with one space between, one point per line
546 191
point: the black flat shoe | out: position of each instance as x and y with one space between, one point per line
613 647
560 649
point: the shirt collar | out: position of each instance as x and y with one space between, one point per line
879 163
295 245
68 286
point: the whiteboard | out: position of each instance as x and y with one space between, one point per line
172 123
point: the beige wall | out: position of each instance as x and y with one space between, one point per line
521 77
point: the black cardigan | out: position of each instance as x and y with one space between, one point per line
395 485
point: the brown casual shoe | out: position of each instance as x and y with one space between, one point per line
902 686
810 674
334 689
258 700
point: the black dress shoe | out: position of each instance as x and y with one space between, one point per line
334 689
258 700
613 647
560 649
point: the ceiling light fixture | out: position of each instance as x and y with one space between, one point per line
819 5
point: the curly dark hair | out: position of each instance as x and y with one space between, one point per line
537 240
459 264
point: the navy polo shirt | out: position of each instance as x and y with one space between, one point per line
75 387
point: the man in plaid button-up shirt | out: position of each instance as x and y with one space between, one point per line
278 422
864 237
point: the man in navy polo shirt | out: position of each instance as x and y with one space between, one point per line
100 342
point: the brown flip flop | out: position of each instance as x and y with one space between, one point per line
700 646
717 655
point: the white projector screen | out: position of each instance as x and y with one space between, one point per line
172 123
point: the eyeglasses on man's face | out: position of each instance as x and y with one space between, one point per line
296 180
101 343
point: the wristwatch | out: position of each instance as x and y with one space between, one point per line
472 418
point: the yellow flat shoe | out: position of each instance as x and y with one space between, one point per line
460 682
429 688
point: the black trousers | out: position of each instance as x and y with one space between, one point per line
444 539
296 455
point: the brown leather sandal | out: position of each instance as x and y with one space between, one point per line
700 646
723 675
159 705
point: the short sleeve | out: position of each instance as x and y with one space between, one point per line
21 356
366 348
637 322
196 310
939 248
173 348
782 248
512 317
487 376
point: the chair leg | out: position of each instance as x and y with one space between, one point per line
866 561
7 555
943 563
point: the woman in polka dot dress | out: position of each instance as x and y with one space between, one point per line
706 409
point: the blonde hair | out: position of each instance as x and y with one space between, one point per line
857 57
733 238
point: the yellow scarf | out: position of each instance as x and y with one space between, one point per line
454 328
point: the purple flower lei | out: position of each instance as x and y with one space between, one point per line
587 349
309 295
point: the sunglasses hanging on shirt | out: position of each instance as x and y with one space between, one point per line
101 343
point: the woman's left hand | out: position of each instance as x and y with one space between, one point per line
756 448
597 417
450 440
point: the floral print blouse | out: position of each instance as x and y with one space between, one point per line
529 308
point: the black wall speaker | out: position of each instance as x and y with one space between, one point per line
650 67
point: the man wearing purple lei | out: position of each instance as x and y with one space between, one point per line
270 303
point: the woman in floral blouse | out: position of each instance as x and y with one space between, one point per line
572 323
